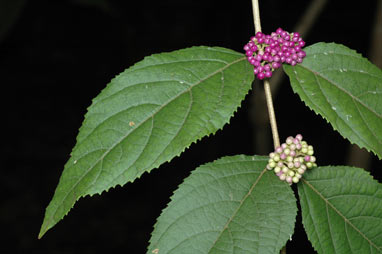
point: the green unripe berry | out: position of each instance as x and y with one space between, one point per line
309 164
310 152
289 159
304 150
276 157
272 155
285 169
301 160
287 151
310 147
301 171
282 177
295 179
272 164
277 169
290 164
291 173
312 159
298 175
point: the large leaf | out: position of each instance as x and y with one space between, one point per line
345 88
233 205
146 116
342 210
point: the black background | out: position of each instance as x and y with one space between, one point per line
58 55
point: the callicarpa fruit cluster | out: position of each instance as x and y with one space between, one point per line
267 52
292 159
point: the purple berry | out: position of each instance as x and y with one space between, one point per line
261 75
275 65
268 74
259 35
301 54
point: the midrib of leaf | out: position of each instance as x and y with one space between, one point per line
151 116
308 98
197 186
343 90
343 120
316 75
327 202
237 209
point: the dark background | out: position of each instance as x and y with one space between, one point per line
55 56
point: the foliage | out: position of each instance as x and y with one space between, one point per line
154 110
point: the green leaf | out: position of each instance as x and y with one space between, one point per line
345 89
342 210
232 205
148 115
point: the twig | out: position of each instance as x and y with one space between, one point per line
267 88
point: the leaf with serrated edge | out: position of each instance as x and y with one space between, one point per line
232 205
344 88
342 210
146 116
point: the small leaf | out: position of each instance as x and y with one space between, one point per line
232 205
342 210
345 89
148 115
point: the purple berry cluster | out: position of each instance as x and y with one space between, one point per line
267 52
292 159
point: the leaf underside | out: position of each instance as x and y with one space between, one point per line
232 205
345 89
146 116
342 210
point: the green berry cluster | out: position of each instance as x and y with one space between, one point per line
292 159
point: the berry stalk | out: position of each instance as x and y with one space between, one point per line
267 88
